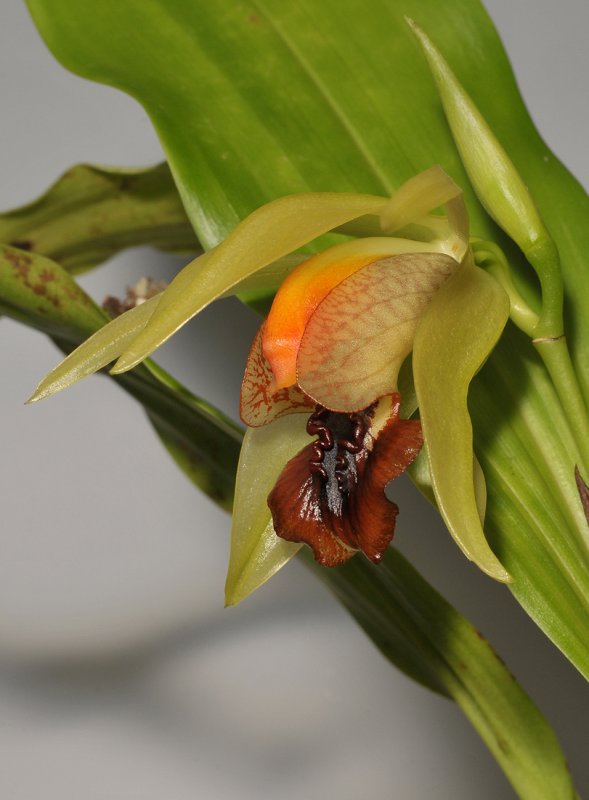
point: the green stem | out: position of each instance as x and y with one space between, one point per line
544 257
557 360
545 330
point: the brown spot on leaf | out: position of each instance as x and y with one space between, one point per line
20 263
22 244
126 182
47 276
583 490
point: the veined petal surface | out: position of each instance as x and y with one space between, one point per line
357 339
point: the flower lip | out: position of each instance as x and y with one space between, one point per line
331 494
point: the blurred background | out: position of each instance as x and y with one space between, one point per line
121 675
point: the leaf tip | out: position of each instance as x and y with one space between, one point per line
231 600
492 567
41 392
124 364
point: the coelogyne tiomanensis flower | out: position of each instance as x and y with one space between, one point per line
326 363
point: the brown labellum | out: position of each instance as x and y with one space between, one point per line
331 494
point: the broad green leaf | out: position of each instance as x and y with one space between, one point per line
363 114
91 213
459 329
368 133
256 551
534 521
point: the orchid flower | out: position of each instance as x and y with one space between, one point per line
326 363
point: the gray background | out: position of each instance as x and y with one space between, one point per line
121 676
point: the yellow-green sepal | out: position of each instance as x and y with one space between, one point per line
257 552
271 232
97 351
458 331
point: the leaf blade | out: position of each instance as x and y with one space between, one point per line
90 213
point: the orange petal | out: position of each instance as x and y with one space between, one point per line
259 403
360 334
304 289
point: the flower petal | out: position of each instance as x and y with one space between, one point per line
256 552
306 287
361 518
259 402
417 196
357 339
458 331
298 514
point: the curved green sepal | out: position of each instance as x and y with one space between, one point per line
257 552
421 477
459 329
271 232
96 352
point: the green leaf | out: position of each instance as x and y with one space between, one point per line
535 521
92 212
41 290
427 638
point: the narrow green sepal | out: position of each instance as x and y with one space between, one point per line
460 328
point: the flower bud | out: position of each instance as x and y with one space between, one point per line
498 185
495 179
